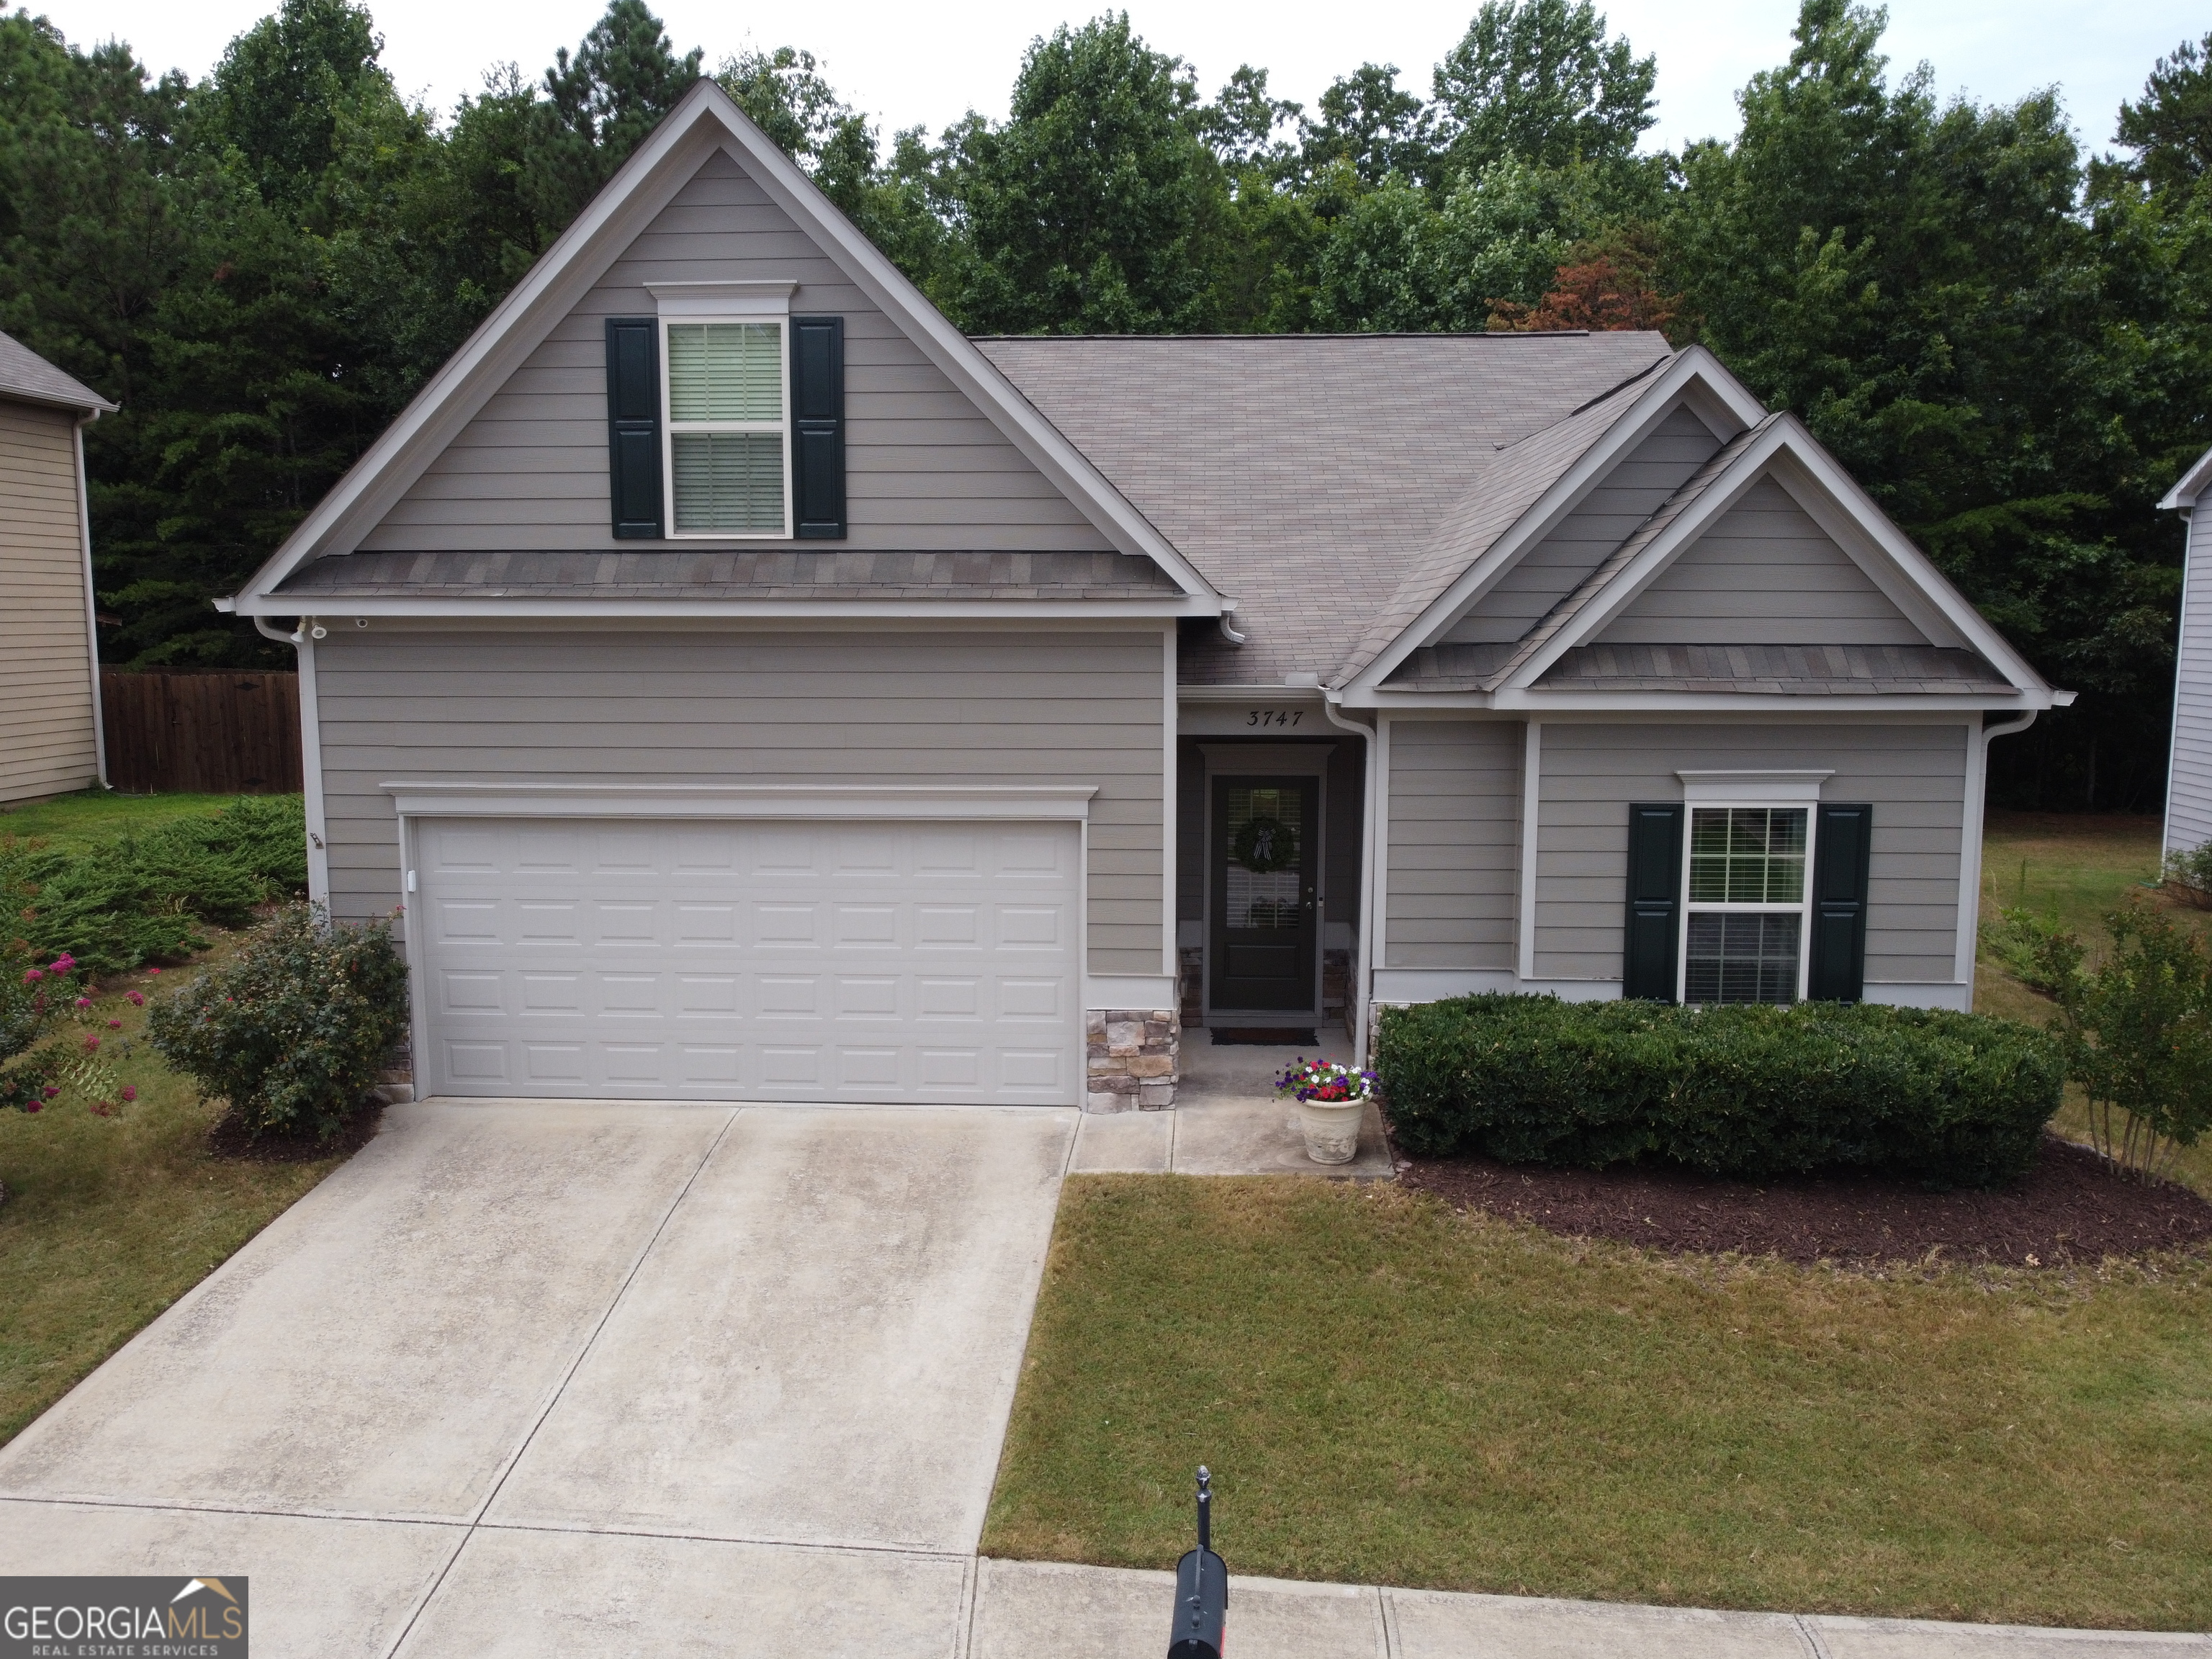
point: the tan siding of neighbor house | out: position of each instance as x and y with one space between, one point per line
924 469
1630 493
1455 843
1765 575
796 707
1913 775
47 744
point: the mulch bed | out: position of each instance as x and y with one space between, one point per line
229 1138
2070 1208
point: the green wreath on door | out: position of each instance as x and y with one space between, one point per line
1264 843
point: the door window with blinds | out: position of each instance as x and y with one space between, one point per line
728 417
1746 906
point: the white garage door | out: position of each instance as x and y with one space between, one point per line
752 961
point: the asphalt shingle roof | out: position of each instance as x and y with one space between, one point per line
1310 476
1786 670
30 378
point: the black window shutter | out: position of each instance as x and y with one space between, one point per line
634 425
1841 846
1655 900
818 427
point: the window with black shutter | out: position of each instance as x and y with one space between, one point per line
1836 972
818 427
634 426
1655 900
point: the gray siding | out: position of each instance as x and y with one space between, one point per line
1454 844
1765 575
46 744
2189 799
795 708
1915 776
1630 493
924 469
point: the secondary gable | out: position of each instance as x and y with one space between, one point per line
925 468
1765 574
1628 494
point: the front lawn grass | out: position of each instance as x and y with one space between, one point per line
1389 1392
109 1220
70 822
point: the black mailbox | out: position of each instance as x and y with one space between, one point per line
1201 1613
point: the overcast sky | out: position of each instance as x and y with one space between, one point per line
908 63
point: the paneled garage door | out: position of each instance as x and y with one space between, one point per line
752 961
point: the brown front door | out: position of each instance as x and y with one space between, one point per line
1264 866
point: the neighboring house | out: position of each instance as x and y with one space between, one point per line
2189 759
50 738
754 689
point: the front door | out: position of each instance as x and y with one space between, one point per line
1265 865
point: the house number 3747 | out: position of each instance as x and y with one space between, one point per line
1274 716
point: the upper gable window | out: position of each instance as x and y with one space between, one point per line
728 425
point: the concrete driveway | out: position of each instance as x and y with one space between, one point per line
544 1378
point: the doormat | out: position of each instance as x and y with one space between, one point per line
1262 1036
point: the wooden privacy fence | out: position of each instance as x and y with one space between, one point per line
202 730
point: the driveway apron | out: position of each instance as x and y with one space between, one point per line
533 1377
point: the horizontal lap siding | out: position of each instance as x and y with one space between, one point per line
1454 847
1765 575
924 467
821 709
1914 776
2188 810
46 742
1630 493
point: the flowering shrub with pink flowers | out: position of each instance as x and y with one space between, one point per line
1328 1081
38 992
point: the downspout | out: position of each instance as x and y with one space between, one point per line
1363 973
91 602
1969 883
302 640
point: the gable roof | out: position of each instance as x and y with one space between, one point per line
2190 486
706 119
1306 474
26 377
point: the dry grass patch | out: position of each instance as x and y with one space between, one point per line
1391 1392
109 1220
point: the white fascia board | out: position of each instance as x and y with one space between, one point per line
587 608
640 189
517 325
1694 375
1549 703
1024 425
2182 496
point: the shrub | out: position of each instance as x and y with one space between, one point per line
2188 874
1750 1092
294 1031
2138 1036
142 898
2039 952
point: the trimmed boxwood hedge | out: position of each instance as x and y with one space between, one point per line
1749 1092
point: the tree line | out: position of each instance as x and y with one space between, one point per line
2002 332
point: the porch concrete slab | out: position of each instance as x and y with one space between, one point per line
1262 1137
1122 1143
1236 1071
1438 1624
823 1345
530 1593
384 1346
1921 1638
1029 1607
317 1586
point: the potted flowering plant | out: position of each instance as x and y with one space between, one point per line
1332 1102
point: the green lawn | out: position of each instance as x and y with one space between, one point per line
93 815
109 1220
1391 1392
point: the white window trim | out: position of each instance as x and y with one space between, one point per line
724 302
1788 791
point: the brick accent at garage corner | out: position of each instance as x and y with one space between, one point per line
1132 1059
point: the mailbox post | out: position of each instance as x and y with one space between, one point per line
1201 1612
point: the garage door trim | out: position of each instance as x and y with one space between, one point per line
899 803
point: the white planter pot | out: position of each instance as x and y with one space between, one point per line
1332 1129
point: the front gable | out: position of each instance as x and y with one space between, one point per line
506 449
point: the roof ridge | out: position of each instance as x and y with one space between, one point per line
1635 542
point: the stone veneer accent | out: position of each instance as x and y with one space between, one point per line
1132 1059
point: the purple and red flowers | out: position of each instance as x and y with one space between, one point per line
1326 1081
